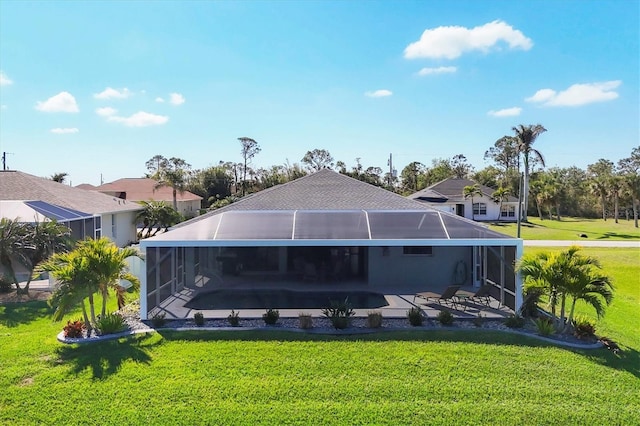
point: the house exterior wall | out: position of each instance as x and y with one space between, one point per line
389 265
119 227
189 208
492 214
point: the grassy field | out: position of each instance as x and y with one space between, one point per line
427 377
571 228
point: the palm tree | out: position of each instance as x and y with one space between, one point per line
41 240
526 136
109 265
600 178
567 274
12 231
175 175
499 196
630 170
470 191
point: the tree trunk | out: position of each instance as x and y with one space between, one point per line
87 323
92 309
525 195
563 300
604 207
558 211
615 206
573 306
175 199
473 216
635 212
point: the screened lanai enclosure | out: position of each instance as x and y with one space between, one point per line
375 251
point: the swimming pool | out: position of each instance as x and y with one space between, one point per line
283 299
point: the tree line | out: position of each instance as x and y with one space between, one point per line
604 189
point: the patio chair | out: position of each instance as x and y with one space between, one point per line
482 295
448 296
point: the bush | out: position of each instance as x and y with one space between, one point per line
74 329
5 284
305 320
374 319
478 321
271 316
544 326
111 323
514 321
198 318
445 318
415 316
529 308
583 328
158 320
234 318
339 313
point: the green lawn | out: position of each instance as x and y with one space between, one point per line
429 377
570 228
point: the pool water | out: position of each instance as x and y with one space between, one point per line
283 299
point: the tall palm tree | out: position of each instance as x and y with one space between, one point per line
499 196
630 170
470 191
40 241
174 174
526 136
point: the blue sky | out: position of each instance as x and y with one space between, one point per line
92 88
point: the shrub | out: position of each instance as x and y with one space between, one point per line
478 321
5 284
445 318
158 319
198 318
514 321
583 328
73 329
339 313
374 319
234 318
111 323
415 316
305 320
544 326
271 316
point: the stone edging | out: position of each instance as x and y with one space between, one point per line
347 332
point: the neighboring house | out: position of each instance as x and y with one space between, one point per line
145 189
447 196
86 213
328 227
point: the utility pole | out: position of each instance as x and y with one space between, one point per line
4 160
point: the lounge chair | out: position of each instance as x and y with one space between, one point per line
448 296
482 295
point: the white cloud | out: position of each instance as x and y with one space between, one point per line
577 94
140 119
62 131
507 112
176 98
4 80
439 70
379 93
110 93
106 111
451 42
62 102
159 99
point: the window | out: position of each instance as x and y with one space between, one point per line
508 211
479 208
114 227
417 250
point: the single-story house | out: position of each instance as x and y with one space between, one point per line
86 213
447 195
329 227
145 189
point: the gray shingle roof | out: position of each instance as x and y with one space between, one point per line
451 190
15 185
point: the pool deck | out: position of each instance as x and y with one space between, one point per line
398 304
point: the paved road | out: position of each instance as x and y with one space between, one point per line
582 243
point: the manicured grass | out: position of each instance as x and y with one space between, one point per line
427 377
570 228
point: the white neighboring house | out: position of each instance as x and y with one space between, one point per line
145 189
447 195
86 213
